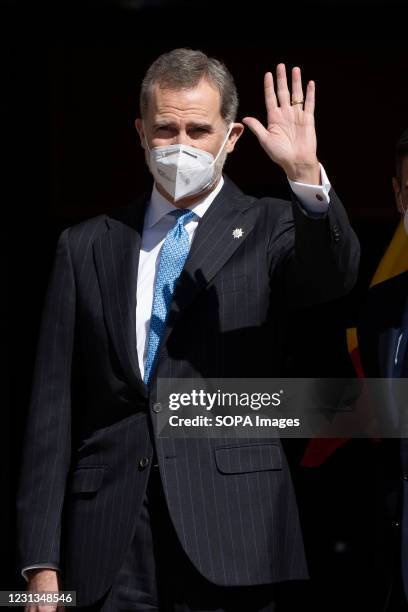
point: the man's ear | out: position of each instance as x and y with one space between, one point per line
140 131
235 134
397 193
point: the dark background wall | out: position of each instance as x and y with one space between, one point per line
71 74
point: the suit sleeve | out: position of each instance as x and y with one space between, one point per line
47 437
316 259
44 566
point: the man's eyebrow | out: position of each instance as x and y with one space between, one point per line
164 123
192 124
201 125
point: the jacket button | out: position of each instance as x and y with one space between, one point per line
144 462
157 407
336 233
395 524
405 476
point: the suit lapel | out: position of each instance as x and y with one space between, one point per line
388 345
117 258
401 355
392 340
214 243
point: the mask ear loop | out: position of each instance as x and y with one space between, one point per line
223 144
405 220
144 132
404 214
404 210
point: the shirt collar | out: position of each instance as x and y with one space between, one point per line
159 207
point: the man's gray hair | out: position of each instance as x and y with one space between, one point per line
183 69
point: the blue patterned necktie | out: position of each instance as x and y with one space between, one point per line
173 256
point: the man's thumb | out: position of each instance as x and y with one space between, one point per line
256 127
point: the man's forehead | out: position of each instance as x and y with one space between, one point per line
201 101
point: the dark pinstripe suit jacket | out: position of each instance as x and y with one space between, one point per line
232 504
383 342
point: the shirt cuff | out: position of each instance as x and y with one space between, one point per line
313 198
50 566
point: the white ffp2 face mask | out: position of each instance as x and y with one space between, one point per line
183 170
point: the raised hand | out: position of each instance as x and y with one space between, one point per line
290 137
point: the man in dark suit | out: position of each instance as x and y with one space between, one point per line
107 507
383 342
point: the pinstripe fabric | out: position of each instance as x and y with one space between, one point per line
383 324
90 422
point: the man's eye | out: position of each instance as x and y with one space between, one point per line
199 130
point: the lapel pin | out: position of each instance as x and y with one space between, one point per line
238 232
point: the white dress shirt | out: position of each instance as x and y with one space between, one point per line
157 223
313 198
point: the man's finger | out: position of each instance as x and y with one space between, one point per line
282 85
271 102
310 97
297 90
256 127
